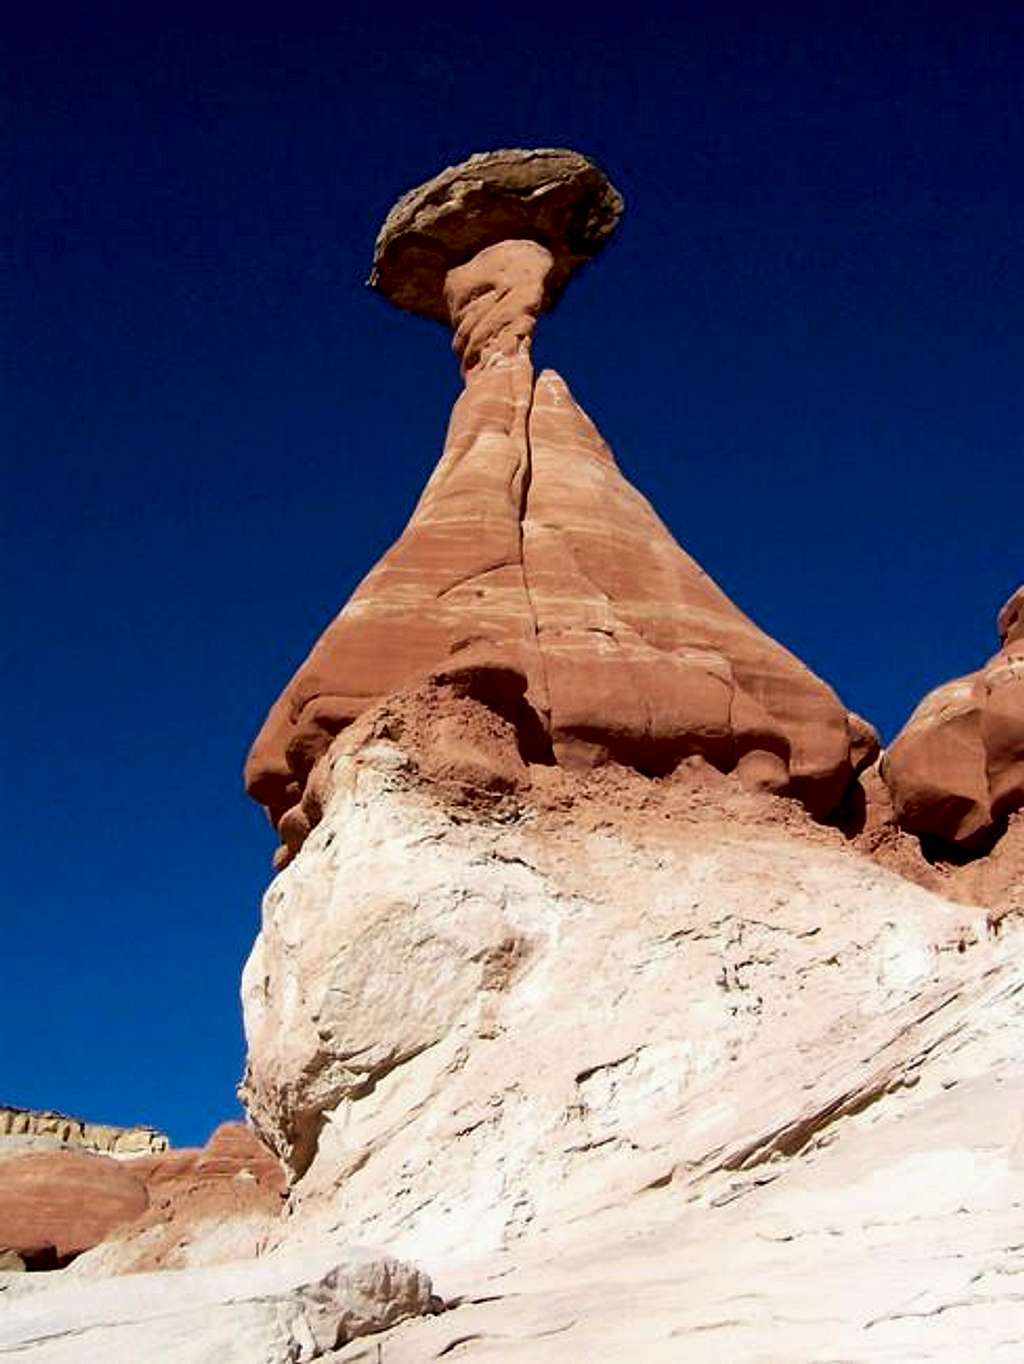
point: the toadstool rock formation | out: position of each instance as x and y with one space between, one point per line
956 769
531 570
555 197
630 1068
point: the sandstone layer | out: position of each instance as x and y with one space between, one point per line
172 1208
956 770
205 1205
537 577
608 1068
297 1306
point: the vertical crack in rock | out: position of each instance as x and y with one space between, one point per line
543 706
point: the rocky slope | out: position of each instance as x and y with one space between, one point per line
610 1068
286 1308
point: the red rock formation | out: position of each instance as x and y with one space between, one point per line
956 769
231 1183
55 1204
532 570
233 1152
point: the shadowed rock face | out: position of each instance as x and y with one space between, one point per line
956 769
533 571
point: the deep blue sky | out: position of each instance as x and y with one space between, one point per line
804 345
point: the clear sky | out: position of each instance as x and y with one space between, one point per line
804 345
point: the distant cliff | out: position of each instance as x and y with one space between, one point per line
26 1127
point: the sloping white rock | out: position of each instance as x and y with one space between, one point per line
894 1235
293 1306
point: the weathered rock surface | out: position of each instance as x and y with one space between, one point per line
296 1306
636 1069
552 196
55 1204
532 570
956 770
23 1129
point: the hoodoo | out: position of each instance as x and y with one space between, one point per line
532 573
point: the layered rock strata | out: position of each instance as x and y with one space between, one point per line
141 1211
205 1205
55 1204
534 574
956 769
298 1305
